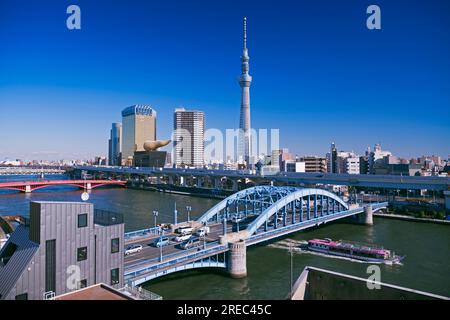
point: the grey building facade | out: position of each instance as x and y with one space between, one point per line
62 247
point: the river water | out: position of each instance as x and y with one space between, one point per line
426 246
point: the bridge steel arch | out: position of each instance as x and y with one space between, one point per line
263 202
250 200
294 201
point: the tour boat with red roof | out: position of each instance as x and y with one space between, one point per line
353 250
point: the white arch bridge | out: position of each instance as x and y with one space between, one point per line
248 217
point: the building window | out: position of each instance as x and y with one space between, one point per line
115 243
82 254
82 284
23 296
82 220
114 276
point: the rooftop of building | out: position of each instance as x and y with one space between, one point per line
101 217
320 284
62 202
139 109
182 109
95 292
102 291
14 257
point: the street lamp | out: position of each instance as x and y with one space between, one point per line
291 252
204 240
188 208
175 215
237 222
155 214
160 246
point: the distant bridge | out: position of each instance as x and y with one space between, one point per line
29 186
29 170
248 217
216 178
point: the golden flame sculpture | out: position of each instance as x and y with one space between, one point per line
152 145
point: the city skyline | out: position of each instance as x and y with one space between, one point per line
70 90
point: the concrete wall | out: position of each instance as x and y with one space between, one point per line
319 284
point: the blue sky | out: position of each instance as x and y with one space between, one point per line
319 75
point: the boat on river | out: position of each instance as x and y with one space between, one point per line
364 252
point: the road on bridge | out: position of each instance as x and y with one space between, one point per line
151 254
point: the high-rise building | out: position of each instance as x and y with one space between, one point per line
284 156
352 165
363 164
245 80
275 158
115 145
332 159
138 125
189 138
341 165
314 164
294 166
376 156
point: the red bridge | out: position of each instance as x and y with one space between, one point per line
28 186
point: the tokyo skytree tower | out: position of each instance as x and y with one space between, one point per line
245 81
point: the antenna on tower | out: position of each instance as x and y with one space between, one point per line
245 32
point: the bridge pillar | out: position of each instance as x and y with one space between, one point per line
367 216
235 185
88 186
27 189
237 259
447 200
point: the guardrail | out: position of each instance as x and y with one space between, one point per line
379 205
141 233
140 293
197 255
146 262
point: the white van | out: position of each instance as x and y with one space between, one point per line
202 231
185 230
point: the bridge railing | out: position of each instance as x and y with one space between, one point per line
168 256
141 233
306 222
379 205
199 254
